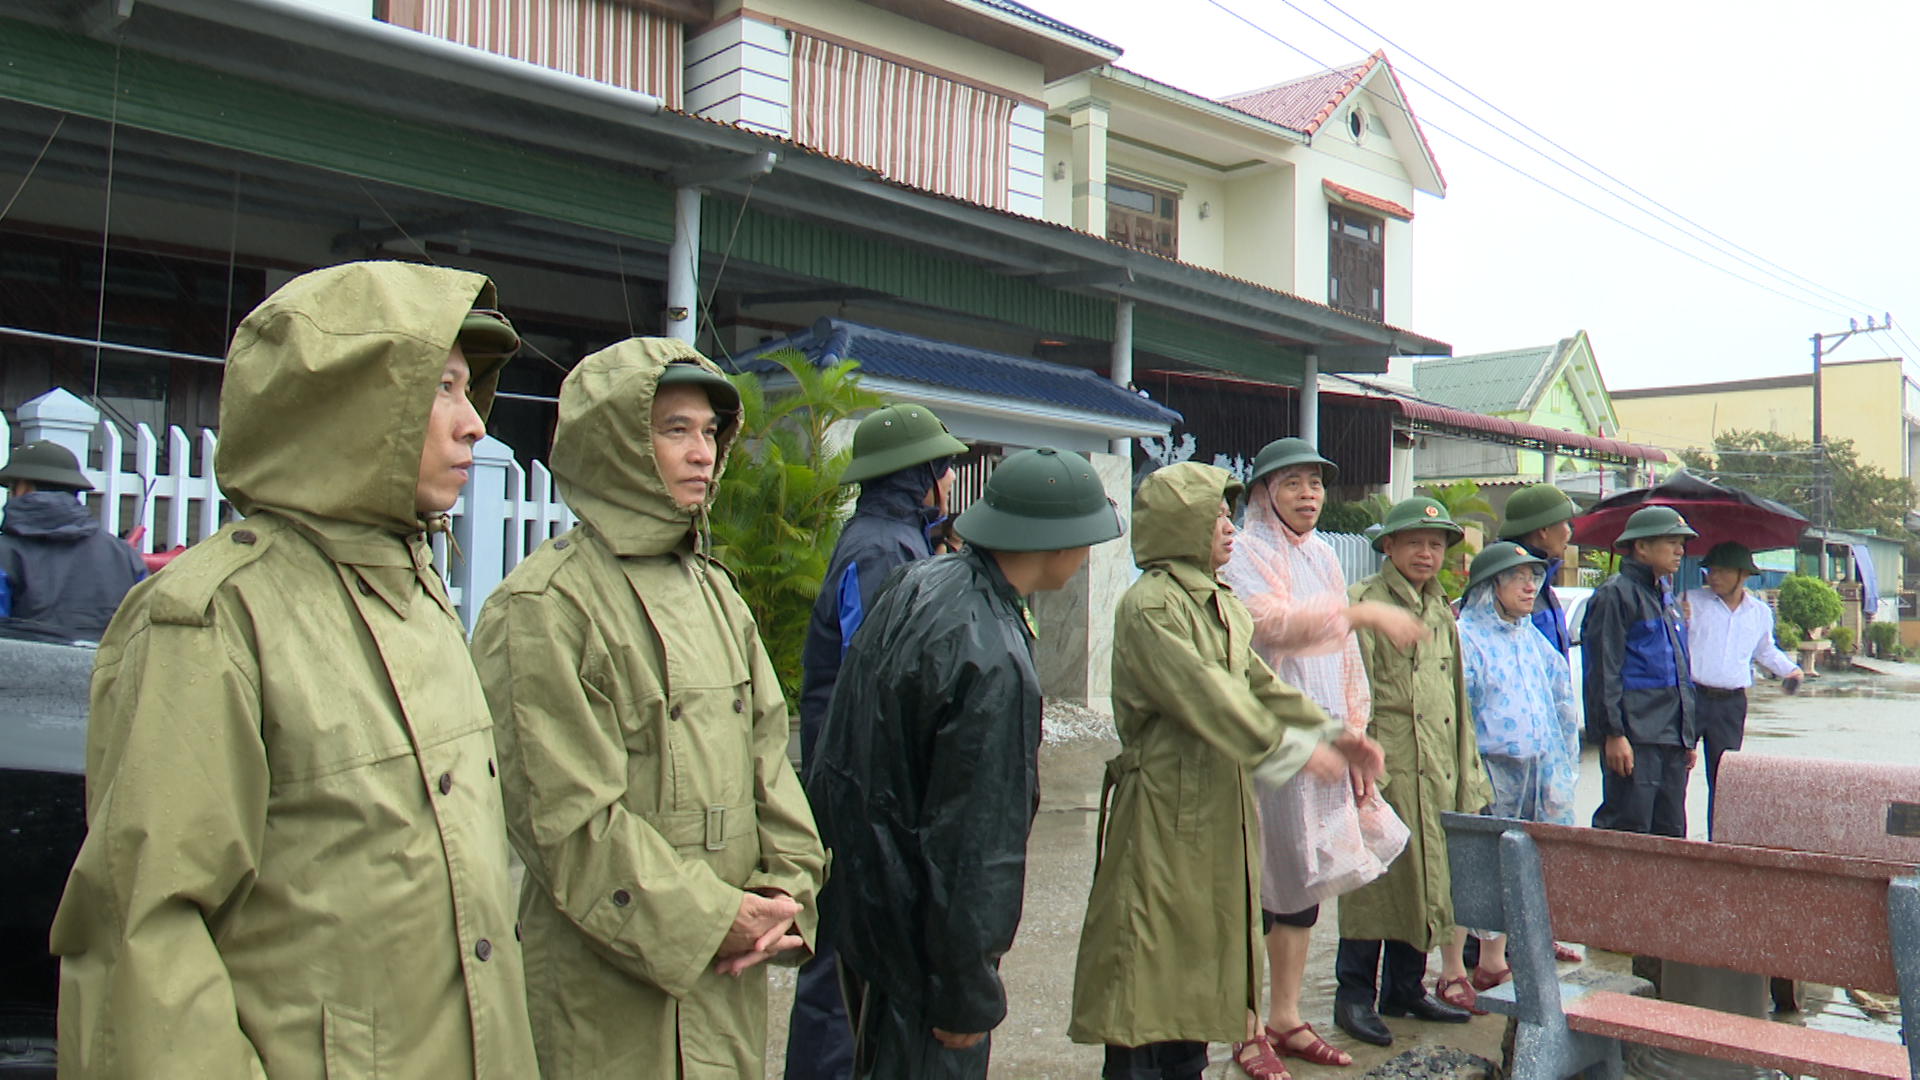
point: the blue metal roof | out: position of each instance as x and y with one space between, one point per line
1022 11
890 354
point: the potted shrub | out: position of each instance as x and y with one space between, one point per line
1810 604
1883 639
1842 638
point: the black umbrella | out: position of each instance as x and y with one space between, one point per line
1716 512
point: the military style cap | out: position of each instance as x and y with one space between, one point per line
898 437
1535 506
1418 513
1497 558
1282 453
487 333
721 393
1041 500
47 464
1728 555
1652 522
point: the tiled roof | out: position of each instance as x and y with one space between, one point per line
1305 103
891 354
1022 11
1488 383
1371 202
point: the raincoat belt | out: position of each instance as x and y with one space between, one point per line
710 828
1118 768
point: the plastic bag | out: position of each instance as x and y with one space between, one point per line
1316 844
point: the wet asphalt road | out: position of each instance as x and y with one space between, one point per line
1848 717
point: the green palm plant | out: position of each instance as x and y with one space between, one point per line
1463 500
779 507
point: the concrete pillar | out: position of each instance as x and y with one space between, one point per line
1551 467
1400 476
1310 399
1121 368
1089 117
683 268
1074 653
59 417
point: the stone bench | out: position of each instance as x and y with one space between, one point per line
1831 919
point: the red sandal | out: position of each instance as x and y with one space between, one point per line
1464 999
1319 1051
1263 1065
1487 980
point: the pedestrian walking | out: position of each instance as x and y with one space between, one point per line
643 743
1421 719
903 462
1520 692
926 772
1638 684
1728 631
1170 954
57 566
296 863
1539 517
1304 628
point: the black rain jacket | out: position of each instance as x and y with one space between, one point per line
888 529
1638 681
61 568
925 783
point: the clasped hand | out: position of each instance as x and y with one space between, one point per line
759 933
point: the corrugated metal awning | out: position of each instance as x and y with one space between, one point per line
1440 420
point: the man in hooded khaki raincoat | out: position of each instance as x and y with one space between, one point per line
296 863
643 737
1171 951
1421 718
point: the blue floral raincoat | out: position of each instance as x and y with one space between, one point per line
1523 712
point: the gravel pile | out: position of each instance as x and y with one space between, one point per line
1434 1063
1064 722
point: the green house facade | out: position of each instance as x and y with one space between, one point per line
1556 386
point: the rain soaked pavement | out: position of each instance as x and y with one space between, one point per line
1851 716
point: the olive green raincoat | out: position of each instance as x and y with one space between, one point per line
643 737
1171 948
296 863
1421 721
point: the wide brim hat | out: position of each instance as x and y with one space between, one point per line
1496 559
898 437
46 464
1653 522
721 393
1418 513
1728 555
1041 500
1285 453
1535 506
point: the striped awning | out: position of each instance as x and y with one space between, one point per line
906 124
603 40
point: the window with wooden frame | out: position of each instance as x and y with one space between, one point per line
1356 262
1145 217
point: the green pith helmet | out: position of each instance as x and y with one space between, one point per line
721 393
1653 522
47 465
1418 513
1282 453
487 334
1499 557
1535 506
1728 555
896 437
1041 500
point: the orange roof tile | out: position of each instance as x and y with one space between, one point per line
1370 202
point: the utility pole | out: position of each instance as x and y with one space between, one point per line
1823 346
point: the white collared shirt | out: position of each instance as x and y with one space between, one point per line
1725 643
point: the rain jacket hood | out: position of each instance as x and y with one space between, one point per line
1174 513
54 516
327 393
603 448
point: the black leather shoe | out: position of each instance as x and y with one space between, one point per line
1427 1007
1362 1023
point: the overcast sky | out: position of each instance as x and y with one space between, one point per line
1787 129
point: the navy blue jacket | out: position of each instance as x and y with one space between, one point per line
60 568
888 530
1548 616
1634 644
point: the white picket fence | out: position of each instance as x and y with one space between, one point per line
504 512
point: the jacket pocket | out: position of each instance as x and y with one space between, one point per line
1648 663
349 1043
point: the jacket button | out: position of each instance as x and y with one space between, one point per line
673 713
739 706
490 771
621 898
446 782
483 949
245 536
366 589
560 544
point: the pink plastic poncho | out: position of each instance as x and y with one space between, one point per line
1314 844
